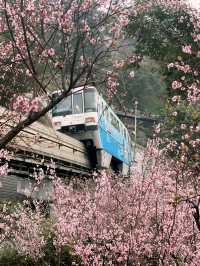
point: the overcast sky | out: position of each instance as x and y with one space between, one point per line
195 3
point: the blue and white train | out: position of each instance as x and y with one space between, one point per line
86 116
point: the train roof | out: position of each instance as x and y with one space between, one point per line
80 88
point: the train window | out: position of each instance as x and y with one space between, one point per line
90 101
77 103
114 121
104 108
125 134
108 115
121 128
118 127
127 138
64 107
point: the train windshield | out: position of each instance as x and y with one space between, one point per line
90 100
73 104
64 107
77 103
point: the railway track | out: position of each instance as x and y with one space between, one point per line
36 147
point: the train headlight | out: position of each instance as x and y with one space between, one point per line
90 120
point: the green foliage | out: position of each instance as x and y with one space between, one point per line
10 258
64 257
189 116
148 88
160 32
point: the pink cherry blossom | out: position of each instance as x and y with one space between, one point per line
176 98
183 126
187 49
176 85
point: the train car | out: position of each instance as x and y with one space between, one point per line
86 116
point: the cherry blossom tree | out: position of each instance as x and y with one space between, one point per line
182 124
147 220
23 230
53 45
150 219
168 31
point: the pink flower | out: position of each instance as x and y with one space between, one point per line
21 104
2 226
187 49
85 27
174 113
51 52
176 98
119 64
176 85
183 126
171 65
132 74
4 169
186 136
157 129
112 84
28 73
82 60
93 41
197 129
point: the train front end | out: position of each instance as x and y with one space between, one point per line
77 116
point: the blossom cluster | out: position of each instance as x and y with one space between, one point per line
5 157
24 105
131 222
24 229
112 84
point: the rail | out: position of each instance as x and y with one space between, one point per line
141 117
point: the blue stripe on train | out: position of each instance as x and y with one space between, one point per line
113 142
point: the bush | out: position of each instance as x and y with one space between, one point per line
10 258
51 258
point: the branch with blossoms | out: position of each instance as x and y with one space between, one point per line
5 157
46 47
